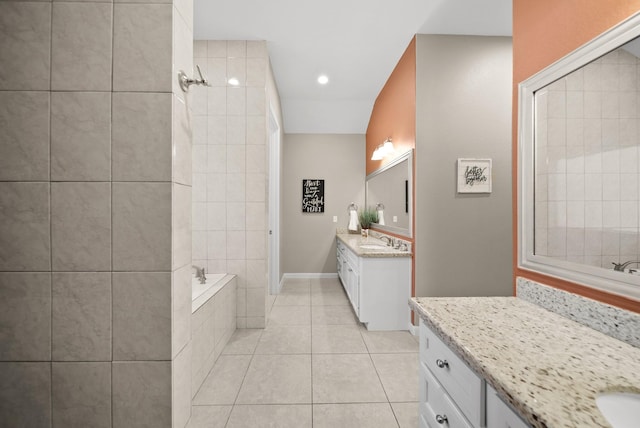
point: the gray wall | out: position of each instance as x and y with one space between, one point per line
463 110
308 240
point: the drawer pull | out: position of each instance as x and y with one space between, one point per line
442 364
442 419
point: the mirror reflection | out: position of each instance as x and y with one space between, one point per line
587 178
388 189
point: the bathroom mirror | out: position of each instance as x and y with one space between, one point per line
579 173
389 188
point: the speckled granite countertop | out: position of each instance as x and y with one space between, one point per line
549 368
355 242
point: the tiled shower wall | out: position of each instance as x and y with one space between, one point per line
587 197
230 170
95 197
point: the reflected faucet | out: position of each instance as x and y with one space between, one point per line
200 274
620 267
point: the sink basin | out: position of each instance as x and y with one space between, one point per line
373 247
620 409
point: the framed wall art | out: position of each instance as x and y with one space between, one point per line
474 175
312 195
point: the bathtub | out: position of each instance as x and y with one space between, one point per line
201 293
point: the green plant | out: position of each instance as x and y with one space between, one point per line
367 216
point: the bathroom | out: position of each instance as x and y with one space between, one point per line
96 314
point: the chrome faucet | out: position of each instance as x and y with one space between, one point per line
388 239
200 274
620 267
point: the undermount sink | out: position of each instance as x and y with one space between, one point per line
373 247
620 409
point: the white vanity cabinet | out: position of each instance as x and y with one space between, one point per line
378 287
452 394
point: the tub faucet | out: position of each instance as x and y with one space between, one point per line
200 274
620 267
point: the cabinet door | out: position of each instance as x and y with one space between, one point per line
499 414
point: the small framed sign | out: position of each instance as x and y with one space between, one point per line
474 175
312 195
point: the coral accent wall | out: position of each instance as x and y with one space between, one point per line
543 32
394 112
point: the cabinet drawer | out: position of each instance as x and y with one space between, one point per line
438 406
500 414
464 386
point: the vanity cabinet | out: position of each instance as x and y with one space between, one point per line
378 287
452 393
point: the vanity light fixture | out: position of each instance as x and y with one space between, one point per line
323 79
233 81
383 150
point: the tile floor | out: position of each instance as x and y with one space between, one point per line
313 366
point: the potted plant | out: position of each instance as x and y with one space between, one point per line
367 216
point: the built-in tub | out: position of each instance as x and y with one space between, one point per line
200 293
213 321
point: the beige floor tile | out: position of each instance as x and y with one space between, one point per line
345 378
334 298
337 339
333 315
285 339
406 414
277 379
326 287
289 315
223 383
243 341
367 415
389 341
296 286
324 281
275 416
209 416
398 374
293 299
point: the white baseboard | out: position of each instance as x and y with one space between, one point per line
308 276
413 329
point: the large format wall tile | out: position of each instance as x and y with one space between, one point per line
24 132
81 316
141 226
24 227
81 394
143 301
25 394
81 226
142 47
181 308
81 46
25 42
142 136
181 225
80 136
181 388
141 394
182 136
25 320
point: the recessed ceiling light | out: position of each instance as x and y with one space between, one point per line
233 81
323 79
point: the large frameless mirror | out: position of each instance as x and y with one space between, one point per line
389 190
579 156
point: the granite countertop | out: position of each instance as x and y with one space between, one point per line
548 368
355 243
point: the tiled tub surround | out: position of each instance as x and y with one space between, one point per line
213 321
615 322
95 197
547 367
230 169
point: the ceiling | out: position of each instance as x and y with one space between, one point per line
356 43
